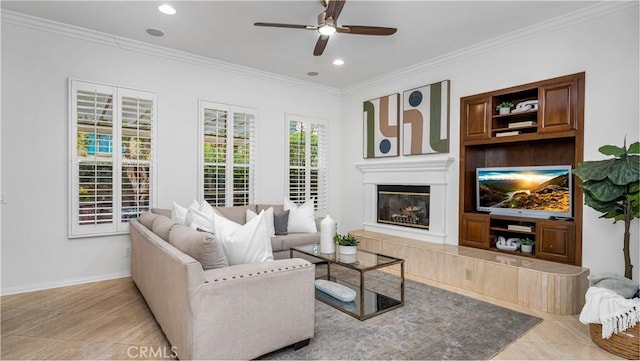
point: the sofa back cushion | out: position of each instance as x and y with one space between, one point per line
202 246
277 208
161 211
147 218
237 214
162 226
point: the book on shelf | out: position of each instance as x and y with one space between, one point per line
517 227
508 134
526 123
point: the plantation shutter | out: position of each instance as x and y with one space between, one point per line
307 161
227 154
111 157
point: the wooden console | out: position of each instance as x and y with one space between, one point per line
526 281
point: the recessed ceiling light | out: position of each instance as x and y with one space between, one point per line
338 62
155 32
167 9
312 73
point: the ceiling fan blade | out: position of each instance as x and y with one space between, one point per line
335 8
293 26
366 30
320 45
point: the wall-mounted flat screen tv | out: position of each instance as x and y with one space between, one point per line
535 191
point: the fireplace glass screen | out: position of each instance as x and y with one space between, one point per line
403 205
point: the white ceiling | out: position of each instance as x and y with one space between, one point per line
224 30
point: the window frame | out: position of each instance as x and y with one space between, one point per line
116 225
229 164
322 199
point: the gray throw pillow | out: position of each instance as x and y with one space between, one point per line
281 223
162 226
202 246
147 218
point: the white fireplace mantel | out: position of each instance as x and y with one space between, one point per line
420 171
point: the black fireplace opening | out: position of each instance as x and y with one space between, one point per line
404 205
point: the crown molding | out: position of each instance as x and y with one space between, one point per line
54 27
597 10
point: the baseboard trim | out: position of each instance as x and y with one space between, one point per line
63 283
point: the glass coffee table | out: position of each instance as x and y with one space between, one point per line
369 301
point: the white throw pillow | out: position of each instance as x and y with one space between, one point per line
246 243
301 218
268 220
180 214
201 216
201 220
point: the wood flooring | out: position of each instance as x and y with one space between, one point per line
110 320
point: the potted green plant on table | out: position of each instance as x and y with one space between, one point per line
504 107
347 243
526 245
612 186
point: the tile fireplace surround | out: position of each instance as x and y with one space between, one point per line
433 172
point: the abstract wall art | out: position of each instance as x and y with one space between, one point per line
381 121
425 124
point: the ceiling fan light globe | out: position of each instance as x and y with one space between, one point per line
326 30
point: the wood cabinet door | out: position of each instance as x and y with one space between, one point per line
558 106
555 241
476 118
475 231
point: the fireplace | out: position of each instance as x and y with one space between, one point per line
404 205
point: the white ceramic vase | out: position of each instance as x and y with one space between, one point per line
526 248
327 232
504 110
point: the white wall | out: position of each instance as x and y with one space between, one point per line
36 252
604 44
36 65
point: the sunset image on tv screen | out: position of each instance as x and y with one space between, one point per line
542 190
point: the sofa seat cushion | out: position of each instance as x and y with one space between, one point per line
284 243
202 246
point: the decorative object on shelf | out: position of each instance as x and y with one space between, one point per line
508 134
611 186
526 245
425 117
525 106
504 107
327 232
347 243
381 117
526 123
510 244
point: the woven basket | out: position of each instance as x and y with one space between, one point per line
624 344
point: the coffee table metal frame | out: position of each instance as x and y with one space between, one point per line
362 267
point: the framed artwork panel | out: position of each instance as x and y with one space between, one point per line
381 126
425 119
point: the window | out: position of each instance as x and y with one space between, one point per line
227 154
112 132
307 161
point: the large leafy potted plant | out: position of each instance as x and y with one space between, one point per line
612 186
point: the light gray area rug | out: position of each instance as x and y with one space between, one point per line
434 324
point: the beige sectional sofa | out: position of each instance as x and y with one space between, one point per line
233 312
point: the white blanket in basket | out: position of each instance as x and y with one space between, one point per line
613 311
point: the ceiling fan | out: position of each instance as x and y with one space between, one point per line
328 24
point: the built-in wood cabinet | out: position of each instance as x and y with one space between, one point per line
549 132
